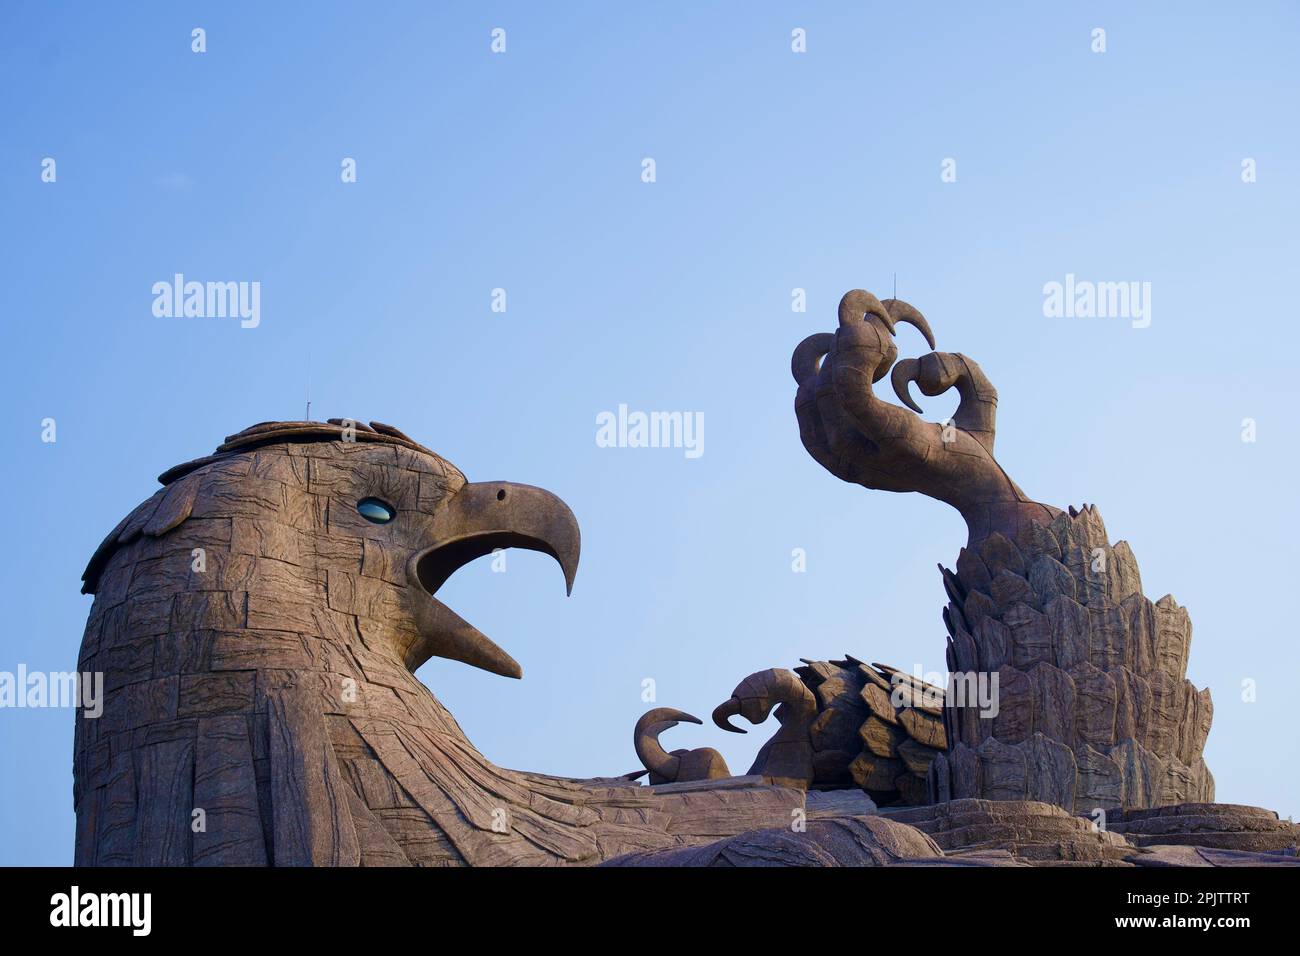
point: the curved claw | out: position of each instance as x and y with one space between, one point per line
900 311
807 357
670 717
702 763
903 374
859 303
645 740
728 708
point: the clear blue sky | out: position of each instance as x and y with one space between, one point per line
775 170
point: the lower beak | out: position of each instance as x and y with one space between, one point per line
481 518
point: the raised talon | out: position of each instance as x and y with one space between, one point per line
704 763
786 759
861 438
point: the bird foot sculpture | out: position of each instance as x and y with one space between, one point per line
1093 708
259 619
1068 685
678 766
861 439
843 724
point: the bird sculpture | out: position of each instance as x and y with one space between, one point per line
259 620
844 724
1068 685
1093 705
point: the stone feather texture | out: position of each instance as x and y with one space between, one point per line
258 637
1094 708
856 841
843 724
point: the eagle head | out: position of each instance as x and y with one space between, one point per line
290 524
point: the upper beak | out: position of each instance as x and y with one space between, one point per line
481 518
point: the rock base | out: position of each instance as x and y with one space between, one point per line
1027 830
971 832
1218 826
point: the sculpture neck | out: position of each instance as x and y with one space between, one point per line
1008 517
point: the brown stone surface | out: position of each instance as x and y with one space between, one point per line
845 841
1099 689
704 763
1222 826
266 689
1030 831
1040 599
844 724
270 686
1161 855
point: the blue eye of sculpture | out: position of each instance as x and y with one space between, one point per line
379 512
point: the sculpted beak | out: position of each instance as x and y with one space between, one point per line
481 518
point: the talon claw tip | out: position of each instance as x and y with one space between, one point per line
903 374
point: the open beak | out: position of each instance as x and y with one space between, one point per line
482 517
